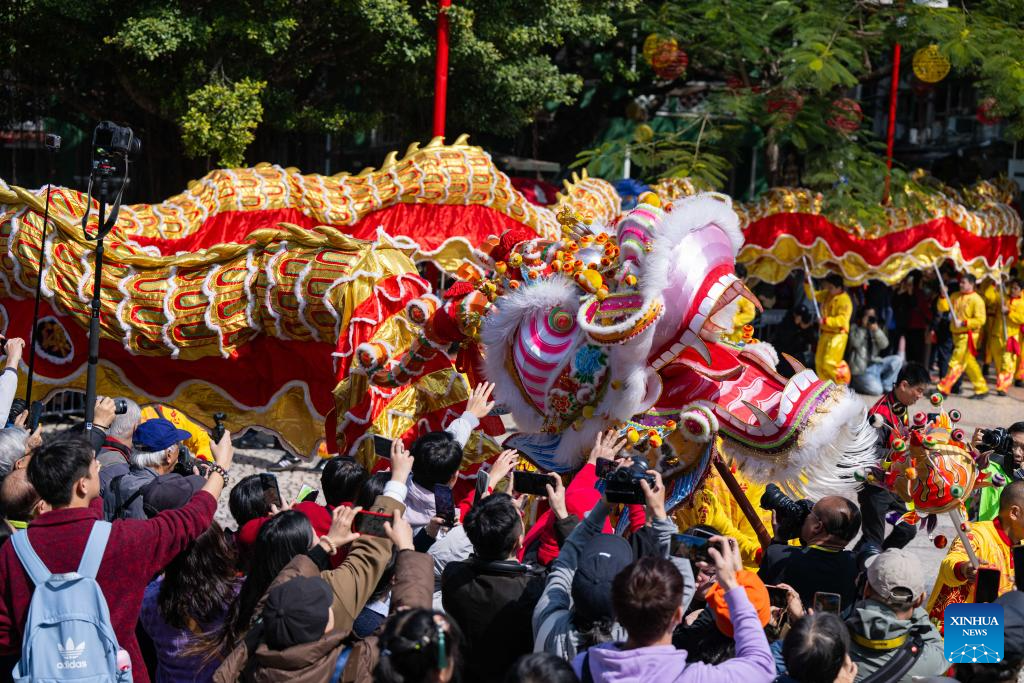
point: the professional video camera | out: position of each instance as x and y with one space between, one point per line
789 514
622 485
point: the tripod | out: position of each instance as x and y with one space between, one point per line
103 171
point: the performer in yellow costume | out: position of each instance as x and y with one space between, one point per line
992 545
745 310
836 311
966 325
714 505
1014 312
994 342
198 445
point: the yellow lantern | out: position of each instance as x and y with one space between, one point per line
653 43
930 65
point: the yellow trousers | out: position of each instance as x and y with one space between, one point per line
962 361
828 358
994 344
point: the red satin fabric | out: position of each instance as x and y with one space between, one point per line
428 224
806 228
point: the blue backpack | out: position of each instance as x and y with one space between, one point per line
68 636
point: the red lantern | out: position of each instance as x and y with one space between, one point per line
668 61
846 116
984 113
787 104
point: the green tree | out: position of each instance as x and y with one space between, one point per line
205 77
787 70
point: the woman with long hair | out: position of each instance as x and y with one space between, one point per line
284 536
189 599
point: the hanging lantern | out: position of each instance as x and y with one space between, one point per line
930 65
984 112
669 62
787 104
653 43
846 116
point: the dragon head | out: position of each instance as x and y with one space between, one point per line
603 328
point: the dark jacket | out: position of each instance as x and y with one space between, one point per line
493 603
810 570
352 583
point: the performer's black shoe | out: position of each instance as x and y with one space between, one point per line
287 463
1018 383
977 397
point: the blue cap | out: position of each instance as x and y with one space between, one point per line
158 434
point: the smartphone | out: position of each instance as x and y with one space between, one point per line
987 588
1018 563
35 413
271 491
827 602
603 466
382 446
371 523
531 482
694 548
307 494
778 597
444 504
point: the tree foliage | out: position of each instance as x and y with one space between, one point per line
212 72
785 69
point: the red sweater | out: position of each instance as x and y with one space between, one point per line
580 497
137 551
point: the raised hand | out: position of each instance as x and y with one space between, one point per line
401 461
479 402
607 445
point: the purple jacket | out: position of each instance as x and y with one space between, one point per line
753 662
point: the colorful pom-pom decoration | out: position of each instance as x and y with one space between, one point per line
936 399
910 473
899 445
957 435
696 426
632 435
940 541
920 419
955 415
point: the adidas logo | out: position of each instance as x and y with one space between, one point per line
70 654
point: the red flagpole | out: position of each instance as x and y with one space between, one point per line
893 96
441 72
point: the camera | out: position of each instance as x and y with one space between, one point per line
111 140
872 320
18 406
120 406
188 463
790 514
218 427
997 440
622 485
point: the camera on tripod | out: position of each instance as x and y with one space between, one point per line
111 141
790 514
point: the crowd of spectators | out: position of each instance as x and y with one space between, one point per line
410 573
